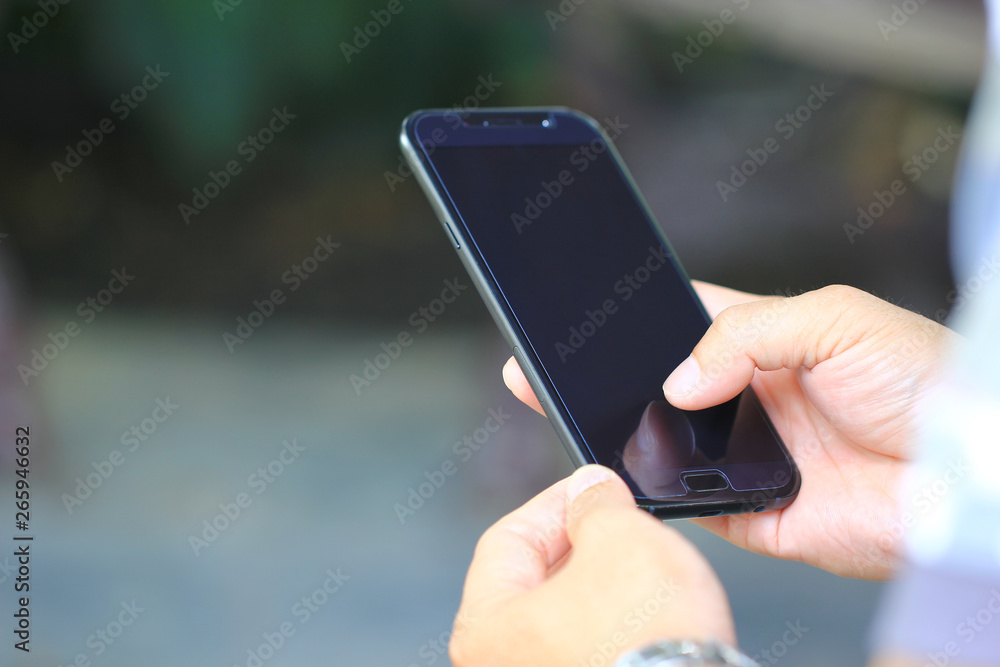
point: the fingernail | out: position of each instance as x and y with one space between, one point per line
684 378
584 478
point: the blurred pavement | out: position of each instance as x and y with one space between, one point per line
329 509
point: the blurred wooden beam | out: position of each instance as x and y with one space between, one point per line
939 46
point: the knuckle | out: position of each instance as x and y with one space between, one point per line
843 295
735 328
731 321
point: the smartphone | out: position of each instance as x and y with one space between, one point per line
594 304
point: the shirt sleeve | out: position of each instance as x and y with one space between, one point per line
945 607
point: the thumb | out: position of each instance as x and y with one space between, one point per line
771 334
594 490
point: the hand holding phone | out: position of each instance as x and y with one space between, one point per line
594 304
848 416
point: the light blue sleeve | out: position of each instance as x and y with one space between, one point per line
945 607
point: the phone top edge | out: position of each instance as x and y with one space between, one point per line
493 110
500 126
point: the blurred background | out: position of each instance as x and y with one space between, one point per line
205 231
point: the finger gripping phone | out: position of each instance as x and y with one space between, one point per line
594 304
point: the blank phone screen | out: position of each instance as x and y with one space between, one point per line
604 308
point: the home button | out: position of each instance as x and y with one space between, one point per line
704 481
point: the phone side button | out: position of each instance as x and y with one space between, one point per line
529 374
454 236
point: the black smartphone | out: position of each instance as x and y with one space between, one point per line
594 304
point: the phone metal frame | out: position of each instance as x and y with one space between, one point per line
519 345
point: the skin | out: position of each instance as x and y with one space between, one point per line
841 374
